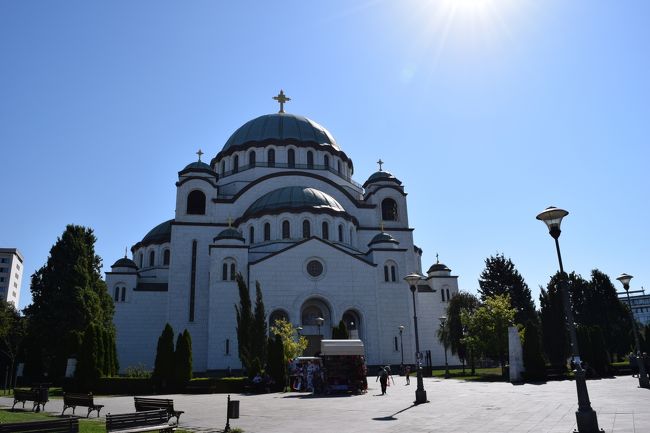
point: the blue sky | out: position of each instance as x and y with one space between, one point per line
487 110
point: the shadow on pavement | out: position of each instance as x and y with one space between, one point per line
392 417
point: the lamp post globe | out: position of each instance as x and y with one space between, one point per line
319 323
586 418
443 322
643 374
420 394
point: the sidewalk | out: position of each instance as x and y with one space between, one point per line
454 407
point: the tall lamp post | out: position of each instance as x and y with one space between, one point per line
443 321
420 393
586 418
319 323
401 343
643 376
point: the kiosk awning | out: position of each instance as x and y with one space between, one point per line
342 347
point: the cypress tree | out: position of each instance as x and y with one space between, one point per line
259 332
183 360
163 367
87 372
500 277
275 361
245 321
99 355
532 353
555 338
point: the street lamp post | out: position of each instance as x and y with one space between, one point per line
420 393
586 417
443 320
643 376
401 343
319 323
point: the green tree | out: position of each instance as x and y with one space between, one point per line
555 337
534 364
88 370
183 360
259 332
275 361
12 333
462 301
163 366
488 326
340 332
245 320
500 277
293 345
68 294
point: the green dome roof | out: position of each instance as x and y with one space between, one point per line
436 267
383 237
293 198
125 263
197 165
381 176
160 234
229 233
281 127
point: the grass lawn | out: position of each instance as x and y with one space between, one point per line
92 425
481 374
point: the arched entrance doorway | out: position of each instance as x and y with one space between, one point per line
352 320
315 319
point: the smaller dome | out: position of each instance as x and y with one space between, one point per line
437 267
160 234
381 176
383 237
124 263
197 165
293 198
229 233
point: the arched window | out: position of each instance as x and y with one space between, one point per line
223 167
306 229
141 260
442 293
166 257
291 158
310 159
448 298
325 230
123 294
393 273
340 232
310 314
326 162
233 271
251 235
386 273
270 157
267 232
351 320
251 158
389 210
286 230
338 166
117 294
224 272
235 164
278 315
196 203
390 272
152 258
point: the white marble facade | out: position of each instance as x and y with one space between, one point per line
278 204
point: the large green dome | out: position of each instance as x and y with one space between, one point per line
283 128
293 198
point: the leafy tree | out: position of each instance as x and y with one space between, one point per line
245 320
163 366
183 360
12 333
275 361
68 294
462 301
555 336
293 345
534 364
488 326
501 278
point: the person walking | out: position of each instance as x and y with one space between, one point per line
383 380
407 371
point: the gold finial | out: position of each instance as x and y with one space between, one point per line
230 222
199 153
380 162
381 225
437 261
281 98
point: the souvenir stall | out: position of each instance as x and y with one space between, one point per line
344 366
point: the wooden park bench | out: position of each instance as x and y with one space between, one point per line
143 403
150 420
85 400
37 395
66 425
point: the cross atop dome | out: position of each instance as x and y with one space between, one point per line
200 152
380 162
281 98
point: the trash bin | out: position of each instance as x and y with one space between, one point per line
233 409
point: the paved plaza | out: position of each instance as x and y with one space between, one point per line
455 406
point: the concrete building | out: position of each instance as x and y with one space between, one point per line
640 306
278 204
11 274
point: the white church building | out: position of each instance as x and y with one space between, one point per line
278 204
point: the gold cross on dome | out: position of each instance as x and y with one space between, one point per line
281 98
382 226
200 152
230 222
437 261
380 162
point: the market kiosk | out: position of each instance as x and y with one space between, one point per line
344 366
